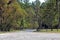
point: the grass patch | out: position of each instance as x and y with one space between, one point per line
9 31
49 30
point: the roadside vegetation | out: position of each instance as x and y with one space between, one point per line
49 31
21 14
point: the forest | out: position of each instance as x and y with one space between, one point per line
22 14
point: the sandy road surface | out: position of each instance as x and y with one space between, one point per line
29 36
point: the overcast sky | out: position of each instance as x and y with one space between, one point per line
40 0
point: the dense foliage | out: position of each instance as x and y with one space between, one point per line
19 14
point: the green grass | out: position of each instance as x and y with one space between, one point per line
42 30
49 30
9 31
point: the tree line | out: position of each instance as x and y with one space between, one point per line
22 14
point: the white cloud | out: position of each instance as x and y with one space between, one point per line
32 0
40 0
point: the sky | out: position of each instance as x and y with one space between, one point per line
40 1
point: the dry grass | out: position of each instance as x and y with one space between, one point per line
49 30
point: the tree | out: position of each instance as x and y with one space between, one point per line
10 15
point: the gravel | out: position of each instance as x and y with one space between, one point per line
23 35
